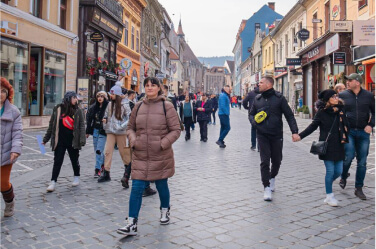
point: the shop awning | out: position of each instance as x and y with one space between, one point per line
280 75
370 61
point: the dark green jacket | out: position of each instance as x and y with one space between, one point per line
79 138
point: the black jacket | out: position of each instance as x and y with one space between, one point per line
203 115
248 101
214 103
324 119
274 104
358 108
90 117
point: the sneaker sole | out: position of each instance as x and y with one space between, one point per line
49 190
75 185
267 199
166 223
125 233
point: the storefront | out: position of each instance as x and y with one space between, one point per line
37 74
100 31
364 60
319 70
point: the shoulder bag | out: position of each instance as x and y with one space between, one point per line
320 147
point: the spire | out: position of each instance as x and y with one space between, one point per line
180 29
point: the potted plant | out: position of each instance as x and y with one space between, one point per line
306 112
301 111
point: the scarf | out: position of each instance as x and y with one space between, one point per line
343 123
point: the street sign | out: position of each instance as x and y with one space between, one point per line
96 36
339 58
316 20
293 61
303 34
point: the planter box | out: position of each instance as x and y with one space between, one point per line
300 114
305 116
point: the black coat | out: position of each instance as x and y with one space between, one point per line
359 108
203 115
275 104
324 119
248 100
90 117
214 103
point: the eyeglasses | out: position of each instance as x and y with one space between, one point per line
335 96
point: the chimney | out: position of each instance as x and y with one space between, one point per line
271 5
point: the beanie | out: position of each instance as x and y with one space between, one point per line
327 94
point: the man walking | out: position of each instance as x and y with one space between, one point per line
360 111
266 115
247 104
224 115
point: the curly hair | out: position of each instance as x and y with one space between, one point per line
5 83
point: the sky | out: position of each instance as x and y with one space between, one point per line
210 26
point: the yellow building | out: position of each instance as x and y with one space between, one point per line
129 47
267 45
39 54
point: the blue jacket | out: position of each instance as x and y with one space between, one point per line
224 104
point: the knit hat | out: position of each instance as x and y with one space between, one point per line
69 95
102 93
116 90
327 94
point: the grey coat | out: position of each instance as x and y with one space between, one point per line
11 132
79 133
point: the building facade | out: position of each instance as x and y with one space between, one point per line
214 80
39 67
256 59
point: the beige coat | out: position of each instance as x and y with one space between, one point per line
151 134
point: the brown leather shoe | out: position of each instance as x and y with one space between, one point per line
359 193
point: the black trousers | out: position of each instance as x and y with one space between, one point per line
187 126
59 159
270 150
213 120
203 129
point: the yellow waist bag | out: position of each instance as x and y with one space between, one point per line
260 117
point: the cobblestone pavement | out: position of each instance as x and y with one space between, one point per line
216 201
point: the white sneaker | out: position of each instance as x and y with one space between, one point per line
76 181
130 228
267 194
272 184
165 216
9 209
330 200
52 186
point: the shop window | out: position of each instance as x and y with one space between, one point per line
37 8
126 34
280 49
132 39
5 1
54 80
103 49
327 15
314 27
63 14
362 4
138 42
113 52
21 52
14 68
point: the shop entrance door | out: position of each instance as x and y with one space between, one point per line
35 81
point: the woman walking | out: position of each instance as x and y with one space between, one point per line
67 132
153 127
187 115
11 143
332 121
203 110
94 127
116 120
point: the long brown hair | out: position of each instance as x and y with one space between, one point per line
117 104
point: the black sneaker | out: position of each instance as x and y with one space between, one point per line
253 148
105 177
130 228
125 182
359 193
148 192
342 183
97 173
205 140
221 144
186 138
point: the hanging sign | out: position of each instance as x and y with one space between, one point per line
96 37
280 69
303 34
335 11
293 62
125 65
339 58
360 69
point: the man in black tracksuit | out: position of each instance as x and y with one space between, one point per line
360 111
247 104
270 131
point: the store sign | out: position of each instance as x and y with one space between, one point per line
9 28
13 43
303 34
332 44
105 22
314 54
96 37
360 69
339 58
335 11
363 52
293 61
280 69
340 26
134 77
364 33
160 75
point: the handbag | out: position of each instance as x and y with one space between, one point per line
320 147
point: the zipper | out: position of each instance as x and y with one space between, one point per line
147 143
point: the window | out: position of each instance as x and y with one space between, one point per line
132 39
138 42
342 9
126 33
300 25
292 39
266 57
63 14
286 46
327 15
314 27
362 3
270 55
280 49
37 8
5 1
21 52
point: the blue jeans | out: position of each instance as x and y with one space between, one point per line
138 187
99 143
333 171
225 126
358 142
253 136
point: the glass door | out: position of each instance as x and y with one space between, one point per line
35 81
